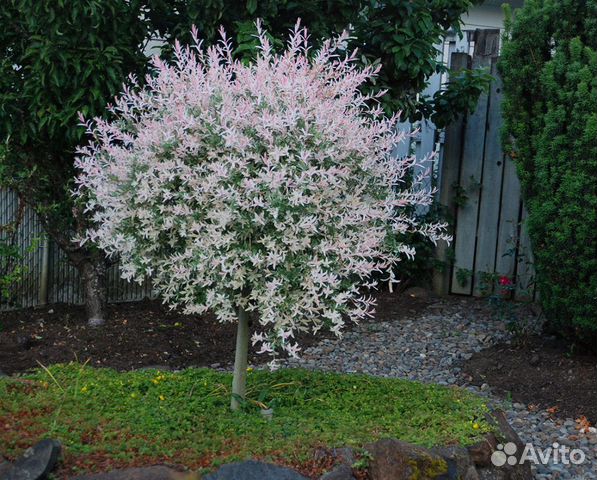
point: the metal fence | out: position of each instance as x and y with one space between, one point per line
42 271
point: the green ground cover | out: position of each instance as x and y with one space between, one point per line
106 418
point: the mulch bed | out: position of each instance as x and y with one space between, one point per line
135 335
543 372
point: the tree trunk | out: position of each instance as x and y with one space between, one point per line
89 262
239 379
93 275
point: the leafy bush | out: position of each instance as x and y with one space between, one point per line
549 69
11 270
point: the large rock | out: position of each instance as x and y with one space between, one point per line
35 463
397 460
518 471
340 472
471 474
480 453
5 466
158 472
253 470
457 458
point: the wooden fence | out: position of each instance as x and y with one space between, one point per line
479 186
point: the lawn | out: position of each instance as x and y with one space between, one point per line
105 418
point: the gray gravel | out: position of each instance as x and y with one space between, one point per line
429 346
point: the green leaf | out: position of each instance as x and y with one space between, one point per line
251 6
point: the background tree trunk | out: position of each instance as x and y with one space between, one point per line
239 379
93 276
91 265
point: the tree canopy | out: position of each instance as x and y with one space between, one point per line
58 58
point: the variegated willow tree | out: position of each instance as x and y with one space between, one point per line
266 187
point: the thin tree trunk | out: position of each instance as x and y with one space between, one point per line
93 276
239 379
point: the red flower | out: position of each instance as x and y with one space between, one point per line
505 281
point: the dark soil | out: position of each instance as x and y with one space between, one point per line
543 373
139 334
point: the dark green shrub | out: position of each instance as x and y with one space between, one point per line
549 69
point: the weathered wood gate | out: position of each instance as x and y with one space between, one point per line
479 186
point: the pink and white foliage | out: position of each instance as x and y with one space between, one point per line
270 186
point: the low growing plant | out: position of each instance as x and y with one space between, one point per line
105 417
500 298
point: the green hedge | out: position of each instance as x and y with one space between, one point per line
549 69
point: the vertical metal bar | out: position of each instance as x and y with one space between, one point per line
43 279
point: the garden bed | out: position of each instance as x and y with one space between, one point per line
107 419
543 372
137 335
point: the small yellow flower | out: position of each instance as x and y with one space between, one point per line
250 369
476 426
162 397
85 389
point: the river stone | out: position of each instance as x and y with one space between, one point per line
158 472
5 466
492 474
254 470
36 462
398 460
341 472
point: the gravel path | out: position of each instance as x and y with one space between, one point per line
429 346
